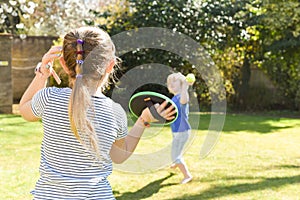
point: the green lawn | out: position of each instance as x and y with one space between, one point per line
256 157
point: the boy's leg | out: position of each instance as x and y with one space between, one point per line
179 140
187 177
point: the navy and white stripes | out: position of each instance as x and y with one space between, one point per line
67 169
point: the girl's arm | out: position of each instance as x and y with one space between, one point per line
122 149
39 82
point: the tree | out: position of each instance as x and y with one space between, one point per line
231 35
237 34
176 15
280 26
227 29
57 17
46 17
13 13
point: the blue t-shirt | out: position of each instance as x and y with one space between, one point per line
181 124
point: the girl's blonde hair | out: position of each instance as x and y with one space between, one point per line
87 52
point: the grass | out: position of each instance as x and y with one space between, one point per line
19 156
256 157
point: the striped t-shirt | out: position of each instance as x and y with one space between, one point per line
67 169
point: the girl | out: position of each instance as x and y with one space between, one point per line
84 131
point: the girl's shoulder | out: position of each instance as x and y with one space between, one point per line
110 105
54 93
55 89
103 98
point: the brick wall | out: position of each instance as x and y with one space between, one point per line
6 94
18 58
26 53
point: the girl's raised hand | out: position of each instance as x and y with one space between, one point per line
46 66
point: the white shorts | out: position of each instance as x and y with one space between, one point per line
178 143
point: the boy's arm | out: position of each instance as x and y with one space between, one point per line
184 95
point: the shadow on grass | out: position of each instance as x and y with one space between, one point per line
222 191
11 120
16 124
146 191
249 123
288 166
3 116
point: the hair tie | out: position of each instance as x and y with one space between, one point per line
79 52
79 76
79 62
80 41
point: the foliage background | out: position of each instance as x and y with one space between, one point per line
239 35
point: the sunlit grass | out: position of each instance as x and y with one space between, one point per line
256 157
19 156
